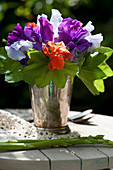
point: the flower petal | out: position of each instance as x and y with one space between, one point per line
32 33
18 49
14 54
83 44
89 27
25 45
16 35
39 16
95 40
46 30
56 63
71 46
38 46
55 20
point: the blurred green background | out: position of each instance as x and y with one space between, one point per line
100 12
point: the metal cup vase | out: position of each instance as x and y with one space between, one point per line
51 105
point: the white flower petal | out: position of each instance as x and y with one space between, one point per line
14 54
89 27
16 45
56 16
55 20
17 49
22 43
25 45
95 40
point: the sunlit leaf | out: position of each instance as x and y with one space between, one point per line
94 69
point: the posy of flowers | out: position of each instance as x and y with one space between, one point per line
52 50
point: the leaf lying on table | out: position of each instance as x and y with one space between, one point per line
37 144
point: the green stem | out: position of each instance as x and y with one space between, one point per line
37 144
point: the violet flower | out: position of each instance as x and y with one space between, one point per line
32 34
46 30
16 35
19 42
72 34
69 31
49 29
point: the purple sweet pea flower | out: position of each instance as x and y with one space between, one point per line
46 30
24 61
69 30
29 33
32 34
78 49
82 45
72 34
16 35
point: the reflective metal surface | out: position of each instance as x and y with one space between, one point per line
50 105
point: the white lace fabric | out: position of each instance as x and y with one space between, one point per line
13 127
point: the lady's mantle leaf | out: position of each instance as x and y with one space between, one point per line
38 72
15 74
106 51
94 70
70 68
99 84
12 68
37 69
44 77
59 78
106 69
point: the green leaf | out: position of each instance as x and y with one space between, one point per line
37 71
44 77
59 78
94 60
87 79
30 72
5 61
70 68
106 51
37 57
1 65
12 68
99 84
106 69
88 75
16 74
94 70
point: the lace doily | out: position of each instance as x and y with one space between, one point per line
13 127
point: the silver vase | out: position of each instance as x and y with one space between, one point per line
51 105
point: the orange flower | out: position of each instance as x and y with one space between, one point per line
57 53
31 23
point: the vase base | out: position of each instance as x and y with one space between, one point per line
56 133
59 130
